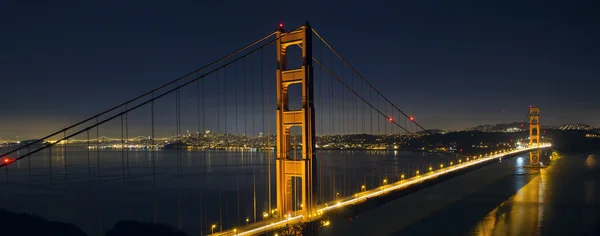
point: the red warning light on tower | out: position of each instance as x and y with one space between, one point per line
390 119
412 118
6 160
281 25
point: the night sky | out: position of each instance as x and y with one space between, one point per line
451 65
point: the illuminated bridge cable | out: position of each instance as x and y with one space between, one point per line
145 94
97 149
154 204
65 153
127 138
355 93
235 84
361 77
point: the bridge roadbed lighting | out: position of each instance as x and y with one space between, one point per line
268 225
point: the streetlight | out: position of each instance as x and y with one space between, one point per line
441 166
417 172
384 181
402 176
247 220
265 215
212 229
363 188
324 224
430 169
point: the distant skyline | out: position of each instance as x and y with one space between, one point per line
451 65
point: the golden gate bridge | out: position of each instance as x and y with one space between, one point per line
268 113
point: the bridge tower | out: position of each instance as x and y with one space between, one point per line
287 170
534 135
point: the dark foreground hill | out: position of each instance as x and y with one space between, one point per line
18 224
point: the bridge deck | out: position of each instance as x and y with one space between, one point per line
272 224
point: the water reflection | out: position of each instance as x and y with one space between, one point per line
590 161
521 214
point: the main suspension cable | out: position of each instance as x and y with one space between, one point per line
145 94
363 78
134 107
355 93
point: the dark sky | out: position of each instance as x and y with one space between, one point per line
452 65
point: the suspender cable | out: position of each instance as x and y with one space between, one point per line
149 92
235 84
127 141
141 104
97 149
122 151
361 77
344 84
153 162
88 155
218 103
177 147
65 153
268 146
245 103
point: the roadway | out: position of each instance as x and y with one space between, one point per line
498 199
268 225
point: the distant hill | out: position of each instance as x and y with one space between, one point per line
576 127
520 126
506 128
432 131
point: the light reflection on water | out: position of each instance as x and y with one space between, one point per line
519 215
591 162
560 200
